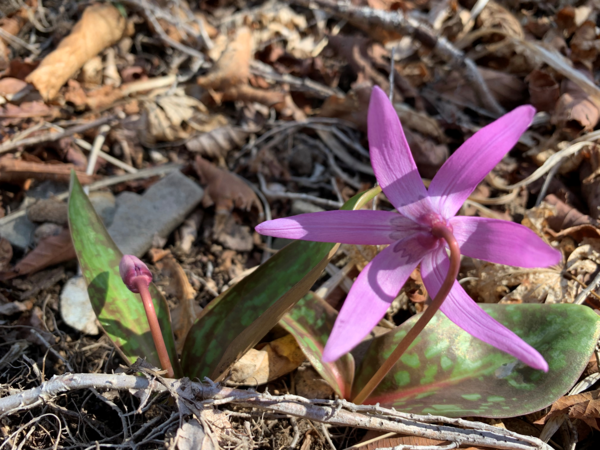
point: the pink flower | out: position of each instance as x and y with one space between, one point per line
409 233
132 270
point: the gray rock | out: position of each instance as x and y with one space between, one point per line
163 207
302 207
19 232
105 205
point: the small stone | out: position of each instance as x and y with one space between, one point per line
76 307
302 207
162 208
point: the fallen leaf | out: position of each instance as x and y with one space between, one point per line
17 171
272 361
50 251
309 384
231 234
565 216
543 90
100 26
224 189
585 407
576 111
167 116
233 67
218 142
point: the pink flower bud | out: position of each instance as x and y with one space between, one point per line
131 270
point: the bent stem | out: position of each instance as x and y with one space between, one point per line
157 336
440 231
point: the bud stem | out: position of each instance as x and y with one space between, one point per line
157 336
442 232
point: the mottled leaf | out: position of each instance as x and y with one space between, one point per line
310 321
119 311
448 372
236 320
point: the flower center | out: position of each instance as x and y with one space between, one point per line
439 225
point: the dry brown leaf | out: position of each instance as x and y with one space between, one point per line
565 216
352 107
272 361
100 26
224 189
543 90
10 25
17 171
95 99
218 142
585 407
509 90
6 253
576 111
496 16
10 86
167 116
233 67
50 251
584 45
14 114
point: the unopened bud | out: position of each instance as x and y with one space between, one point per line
131 270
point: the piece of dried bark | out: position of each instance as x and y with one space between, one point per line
17 171
100 26
224 189
576 111
50 251
543 90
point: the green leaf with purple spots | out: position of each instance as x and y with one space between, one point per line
448 372
310 321
119 311
235 321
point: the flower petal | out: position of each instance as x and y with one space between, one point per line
373 292
473 160
502 242
345 227
467 314
392 161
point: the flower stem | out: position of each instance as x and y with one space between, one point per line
440 231
157 336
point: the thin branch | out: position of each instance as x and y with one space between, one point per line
53 137
333 412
